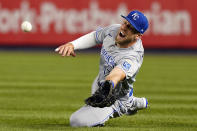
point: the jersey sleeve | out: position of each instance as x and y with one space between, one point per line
129 66
101 33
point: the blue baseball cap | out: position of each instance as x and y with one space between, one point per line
138 20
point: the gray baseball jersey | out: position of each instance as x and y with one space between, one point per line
127 59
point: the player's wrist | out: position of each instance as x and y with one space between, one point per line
111 83
72 45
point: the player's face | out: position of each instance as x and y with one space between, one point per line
127 34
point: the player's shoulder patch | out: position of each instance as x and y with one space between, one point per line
126 66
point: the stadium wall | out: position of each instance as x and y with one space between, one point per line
172 22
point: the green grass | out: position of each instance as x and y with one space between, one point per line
39 91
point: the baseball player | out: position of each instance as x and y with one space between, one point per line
121 57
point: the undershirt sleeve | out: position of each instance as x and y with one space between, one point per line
85 41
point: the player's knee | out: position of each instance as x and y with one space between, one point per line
77 121
74 121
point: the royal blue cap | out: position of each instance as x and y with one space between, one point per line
138 20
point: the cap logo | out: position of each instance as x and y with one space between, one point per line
135 16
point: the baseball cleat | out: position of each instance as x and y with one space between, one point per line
138 104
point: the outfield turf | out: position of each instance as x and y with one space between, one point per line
39 91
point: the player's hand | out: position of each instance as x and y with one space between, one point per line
66 50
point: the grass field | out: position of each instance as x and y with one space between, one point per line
39 91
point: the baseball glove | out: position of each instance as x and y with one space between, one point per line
103 97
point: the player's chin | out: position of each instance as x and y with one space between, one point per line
124 42
120 39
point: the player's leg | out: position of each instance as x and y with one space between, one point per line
91 116
130 104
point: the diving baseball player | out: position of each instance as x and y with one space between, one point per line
121 57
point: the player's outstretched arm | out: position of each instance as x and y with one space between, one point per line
116 75
83 42
66 50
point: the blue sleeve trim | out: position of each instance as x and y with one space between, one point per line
98 29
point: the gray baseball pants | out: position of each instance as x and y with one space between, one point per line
88 116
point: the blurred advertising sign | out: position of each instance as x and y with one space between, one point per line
55 22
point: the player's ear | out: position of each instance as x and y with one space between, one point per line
138 36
